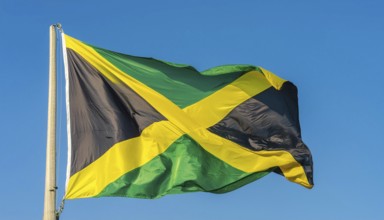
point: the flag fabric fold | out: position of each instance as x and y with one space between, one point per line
144 128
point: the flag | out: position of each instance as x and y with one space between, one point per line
144 128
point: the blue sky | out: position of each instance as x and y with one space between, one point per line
332 50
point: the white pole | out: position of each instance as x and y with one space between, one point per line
50 169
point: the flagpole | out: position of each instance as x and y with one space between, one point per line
50 169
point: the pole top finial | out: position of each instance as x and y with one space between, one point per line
58 26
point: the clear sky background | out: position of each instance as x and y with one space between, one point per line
332 50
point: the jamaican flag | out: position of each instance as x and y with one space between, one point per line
141 127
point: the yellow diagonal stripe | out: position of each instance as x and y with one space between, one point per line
163 105
251 161
216 106
192 120
274 80
139 150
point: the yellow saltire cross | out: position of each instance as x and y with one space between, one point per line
192 120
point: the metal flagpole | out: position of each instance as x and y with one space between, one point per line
50 170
